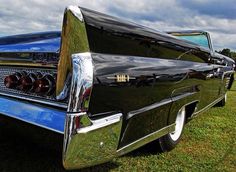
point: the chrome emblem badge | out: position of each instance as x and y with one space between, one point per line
121 78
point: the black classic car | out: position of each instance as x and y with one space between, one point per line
109 86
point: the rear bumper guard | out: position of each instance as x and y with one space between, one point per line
89 142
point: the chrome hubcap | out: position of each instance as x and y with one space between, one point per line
179 124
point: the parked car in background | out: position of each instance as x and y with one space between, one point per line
109 86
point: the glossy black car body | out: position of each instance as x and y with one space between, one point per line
122 88
219 58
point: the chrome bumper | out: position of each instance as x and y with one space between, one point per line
90 142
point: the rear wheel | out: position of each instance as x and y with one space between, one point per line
231 81
223 101
169 141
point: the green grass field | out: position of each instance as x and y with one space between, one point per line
208 144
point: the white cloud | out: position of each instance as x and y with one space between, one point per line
22 16
17 16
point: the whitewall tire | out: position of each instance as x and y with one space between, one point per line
169 141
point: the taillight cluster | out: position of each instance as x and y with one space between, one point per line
31 82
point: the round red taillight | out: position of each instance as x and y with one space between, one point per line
45 85
12 81
26 82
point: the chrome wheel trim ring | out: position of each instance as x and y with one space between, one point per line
179 125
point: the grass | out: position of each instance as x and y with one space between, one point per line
208 144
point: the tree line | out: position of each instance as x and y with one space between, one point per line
228 52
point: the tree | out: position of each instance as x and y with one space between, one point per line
229 53
233 55
226 52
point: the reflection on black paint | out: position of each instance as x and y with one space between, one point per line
162 67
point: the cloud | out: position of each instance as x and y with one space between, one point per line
217 17
31 15
219 9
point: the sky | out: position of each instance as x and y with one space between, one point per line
215 16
